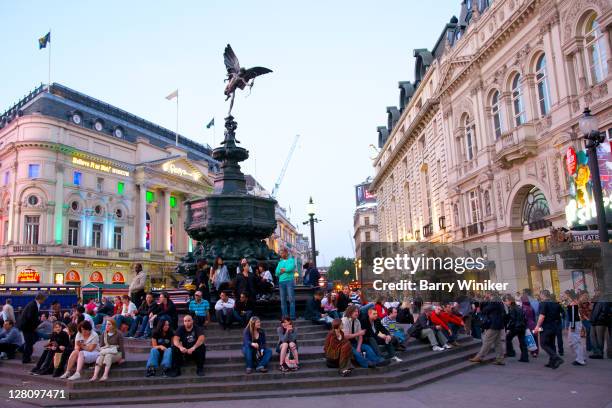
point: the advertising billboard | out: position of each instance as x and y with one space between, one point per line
363 195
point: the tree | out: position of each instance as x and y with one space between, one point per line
337 268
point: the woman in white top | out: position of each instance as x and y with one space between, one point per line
219 275
86 350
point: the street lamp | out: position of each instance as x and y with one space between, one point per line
590 128
310 208
346 274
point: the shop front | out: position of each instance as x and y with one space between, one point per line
541 266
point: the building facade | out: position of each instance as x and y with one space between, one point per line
365 227
89 189
482 141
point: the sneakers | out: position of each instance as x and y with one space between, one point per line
3 356
475 359
437 348
65 375
75 376
150 372
249 370
397 359
261 369
447 346
577 363
499 362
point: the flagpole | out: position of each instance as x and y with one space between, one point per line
49 65
214 133
177 119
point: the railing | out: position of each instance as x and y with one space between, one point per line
102 252
78 251
29 249
124 254
539 224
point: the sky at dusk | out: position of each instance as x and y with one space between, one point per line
336 66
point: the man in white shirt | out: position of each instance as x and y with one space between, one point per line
224 310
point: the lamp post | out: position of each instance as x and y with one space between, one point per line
589 126
310 208
346 274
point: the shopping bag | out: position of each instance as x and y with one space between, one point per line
530 341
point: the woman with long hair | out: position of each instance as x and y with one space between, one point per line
338 350
161 348
219 276
111 350
287 341
329 304
254 347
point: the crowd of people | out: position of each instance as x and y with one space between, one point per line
361 333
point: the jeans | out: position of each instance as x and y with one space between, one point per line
99 318
249 357
587 331
389 347
573 337
198 355
166 358
370 356
454 332
120 319
225 317
140 326
559 335
476 330
243 319
287 294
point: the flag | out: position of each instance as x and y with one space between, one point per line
211 123
172 95
44 40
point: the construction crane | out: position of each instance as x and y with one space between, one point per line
279 180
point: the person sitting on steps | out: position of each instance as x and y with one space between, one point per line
338 350
287 342
424 329
256 354
188 343
161 348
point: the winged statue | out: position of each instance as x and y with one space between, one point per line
237 76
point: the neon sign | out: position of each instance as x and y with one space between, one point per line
28 275
100 167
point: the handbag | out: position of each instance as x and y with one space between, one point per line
530 341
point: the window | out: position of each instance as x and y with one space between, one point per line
596 50
496 113
119 213
74 205
367 236
73 232
33 171
96 235
408 208
77 177
148 233
542 85
100 184
366 220
58 278
487 203
469 138
2 279
6 177
474 207
98 209
32 200
118 238
32 227
120 187
5 234
427 195
517 101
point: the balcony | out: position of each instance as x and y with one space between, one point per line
473 229
442 222
516 145
428 230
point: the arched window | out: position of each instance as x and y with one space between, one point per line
535 210
497 115
517 101
542 84
148 233
469 138
596 50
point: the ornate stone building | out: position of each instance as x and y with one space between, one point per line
480 144
89 189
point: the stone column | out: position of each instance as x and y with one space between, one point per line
12 236
141 230
58 223
531 101
166 221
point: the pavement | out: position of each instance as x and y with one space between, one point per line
513 385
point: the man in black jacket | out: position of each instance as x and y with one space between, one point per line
28 322
377 335
516 324
140 325
493 312
548 321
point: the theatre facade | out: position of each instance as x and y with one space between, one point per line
87 190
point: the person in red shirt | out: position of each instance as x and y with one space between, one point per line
381 310
451 320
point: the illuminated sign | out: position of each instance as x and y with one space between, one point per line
172 169
28 275
100 167
73 276
581 209
96 277
97 264
363 195
118 278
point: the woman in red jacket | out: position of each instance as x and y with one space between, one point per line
380 308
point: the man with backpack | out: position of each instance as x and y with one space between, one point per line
516 324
